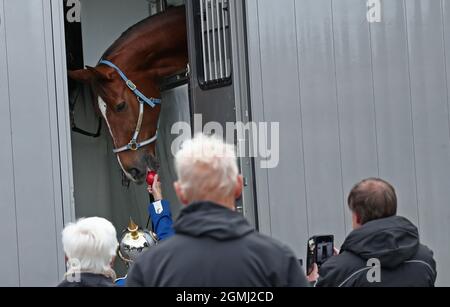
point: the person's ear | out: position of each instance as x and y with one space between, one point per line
180 193
239 187
356 220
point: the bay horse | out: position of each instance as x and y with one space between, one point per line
126 86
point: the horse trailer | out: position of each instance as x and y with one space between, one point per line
357 89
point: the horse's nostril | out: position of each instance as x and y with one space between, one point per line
135 173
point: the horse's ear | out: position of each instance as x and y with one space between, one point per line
89 74
82 75
100 73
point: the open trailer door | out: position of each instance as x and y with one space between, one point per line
218 79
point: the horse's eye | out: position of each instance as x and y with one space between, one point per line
121 107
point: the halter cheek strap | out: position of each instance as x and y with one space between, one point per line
142 99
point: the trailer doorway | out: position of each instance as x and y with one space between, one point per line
99 187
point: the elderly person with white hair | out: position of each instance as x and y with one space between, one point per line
213 245
90 246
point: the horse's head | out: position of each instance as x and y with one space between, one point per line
120 108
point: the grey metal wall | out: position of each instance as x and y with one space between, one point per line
175 109
354 100
30 164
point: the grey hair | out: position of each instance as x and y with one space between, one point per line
92 243
206 165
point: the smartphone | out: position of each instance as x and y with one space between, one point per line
319 250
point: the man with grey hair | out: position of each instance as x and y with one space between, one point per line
214 246
90 246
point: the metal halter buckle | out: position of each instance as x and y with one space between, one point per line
131 85
133 145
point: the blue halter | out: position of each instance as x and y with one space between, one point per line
152 102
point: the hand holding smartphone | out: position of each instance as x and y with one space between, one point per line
319 250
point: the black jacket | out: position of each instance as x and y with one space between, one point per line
216 247
395 243
88 280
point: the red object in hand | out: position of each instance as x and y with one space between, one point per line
151 178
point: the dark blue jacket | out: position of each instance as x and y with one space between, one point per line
161 219
392 242
216 247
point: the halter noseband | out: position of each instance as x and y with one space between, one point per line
142 99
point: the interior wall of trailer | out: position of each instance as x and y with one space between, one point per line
354 99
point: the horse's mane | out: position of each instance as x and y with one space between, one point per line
125 36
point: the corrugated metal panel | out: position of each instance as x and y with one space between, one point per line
430 109
321 129
9 266
64 127
34 138
255 83
273 53
393 105
365 99
355 94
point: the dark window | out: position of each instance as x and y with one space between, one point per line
213 42
74 41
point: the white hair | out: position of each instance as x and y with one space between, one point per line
206 166
92 244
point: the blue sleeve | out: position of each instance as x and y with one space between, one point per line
161 219
121 282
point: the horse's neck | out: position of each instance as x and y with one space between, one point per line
131 59
145 62
145 49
